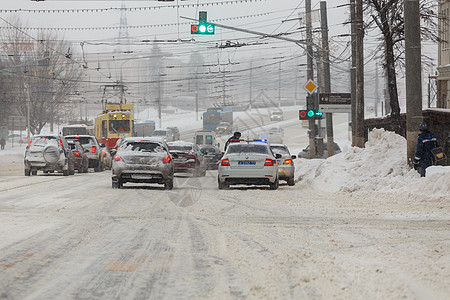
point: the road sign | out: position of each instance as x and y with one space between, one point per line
335 98
310 86
335 108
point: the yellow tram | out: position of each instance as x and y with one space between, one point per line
115 122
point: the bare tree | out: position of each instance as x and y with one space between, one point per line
388 17
41 73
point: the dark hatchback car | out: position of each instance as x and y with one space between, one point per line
212 156
80 159
142 160
188 158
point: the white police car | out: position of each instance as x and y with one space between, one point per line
250 163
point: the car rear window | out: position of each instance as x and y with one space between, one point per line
143 147
180 148
83 140
279 149
247 148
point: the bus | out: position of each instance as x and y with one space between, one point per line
77 129
114 123
214 115
144 129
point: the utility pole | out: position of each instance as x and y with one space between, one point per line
413 75
159 98
353 69
377 94
326 73
251 84
310 76
196 94
279 84
360 128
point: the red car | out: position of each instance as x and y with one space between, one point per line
189 160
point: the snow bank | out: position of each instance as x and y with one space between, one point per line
380 166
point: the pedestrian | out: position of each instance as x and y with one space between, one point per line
236 136
425 143
2 143
447 148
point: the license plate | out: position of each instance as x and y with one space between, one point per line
141 176
246 162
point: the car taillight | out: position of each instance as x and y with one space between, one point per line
167 159
225 162
117 157
76 153
61 143
104 154
269 162
29 143
288 162
94 149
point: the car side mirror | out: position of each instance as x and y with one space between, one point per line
278 155
103 145
220 155
293 157
174 155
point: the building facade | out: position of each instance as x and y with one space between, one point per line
443 79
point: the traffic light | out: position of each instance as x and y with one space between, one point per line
203 28
309 114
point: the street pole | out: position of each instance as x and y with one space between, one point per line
279 84
310 76
326 73
196 94
353 70
360 128
413 75
251 84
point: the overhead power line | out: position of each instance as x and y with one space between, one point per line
144 8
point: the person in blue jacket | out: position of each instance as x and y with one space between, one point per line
425 143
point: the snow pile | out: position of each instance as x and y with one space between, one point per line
380 166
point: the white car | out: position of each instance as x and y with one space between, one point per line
286 167
165 135
249 163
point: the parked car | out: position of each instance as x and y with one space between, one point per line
224 127
212 155
164 135
276 115
249 163
107 159
48 153
305 152
189 158
80 159
143 160
175 132
92 149
286 167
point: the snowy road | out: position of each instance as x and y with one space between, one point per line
77 238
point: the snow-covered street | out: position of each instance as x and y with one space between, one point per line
359 225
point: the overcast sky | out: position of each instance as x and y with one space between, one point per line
148 20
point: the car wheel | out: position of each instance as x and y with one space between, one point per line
274 185
291 181
98 167
27 172
223 185
71 169
66 172
168 185
34 172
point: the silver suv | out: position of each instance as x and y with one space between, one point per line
92 148
48 153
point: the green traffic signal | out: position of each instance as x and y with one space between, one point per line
203 28
309 114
